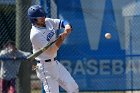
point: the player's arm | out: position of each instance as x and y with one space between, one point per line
58 24
67 29
61 38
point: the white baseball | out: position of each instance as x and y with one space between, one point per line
107 35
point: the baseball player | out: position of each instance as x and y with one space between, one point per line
49 70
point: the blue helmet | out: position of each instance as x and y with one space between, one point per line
36 11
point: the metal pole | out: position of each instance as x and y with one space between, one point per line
23 43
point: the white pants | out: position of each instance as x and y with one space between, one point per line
53 74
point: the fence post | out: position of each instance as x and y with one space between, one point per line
23 43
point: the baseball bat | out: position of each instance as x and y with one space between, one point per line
37 53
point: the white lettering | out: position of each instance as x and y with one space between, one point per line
92 67
117 67
79 68
104 67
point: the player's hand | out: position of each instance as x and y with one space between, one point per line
68 28
64 35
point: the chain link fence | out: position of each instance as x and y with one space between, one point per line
7 18
96 63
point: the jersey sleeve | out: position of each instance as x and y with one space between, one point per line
56 23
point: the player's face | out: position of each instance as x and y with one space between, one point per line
40 21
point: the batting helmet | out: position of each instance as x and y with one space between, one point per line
35 11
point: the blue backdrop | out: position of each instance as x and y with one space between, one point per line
106 68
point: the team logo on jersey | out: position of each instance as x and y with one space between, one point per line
50 35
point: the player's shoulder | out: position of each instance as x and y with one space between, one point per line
51 20
34 29
48 19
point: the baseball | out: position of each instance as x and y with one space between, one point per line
107 35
